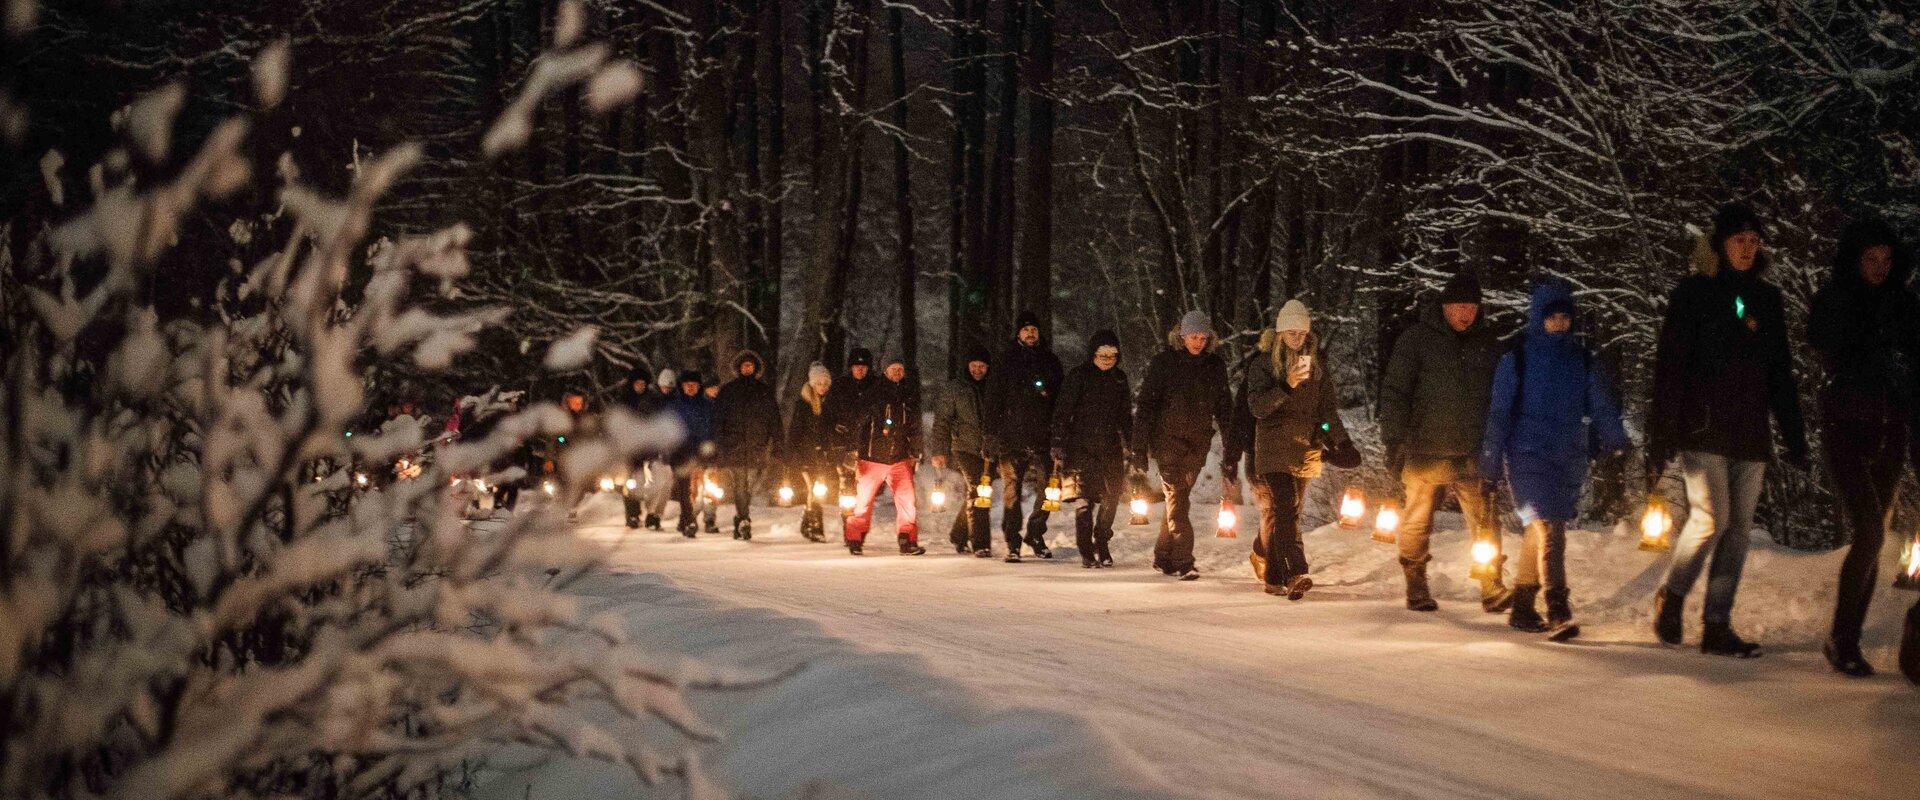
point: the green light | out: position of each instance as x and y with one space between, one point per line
1326 427
1739 307
563 439
348 434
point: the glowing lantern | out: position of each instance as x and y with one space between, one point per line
1486 560
1386 523
1052 494
1656 526
548 487
1137 511
632 484
606 484
1353 507
479 485
360 479
983 494
819 490
784 495
713 490
846 503
1229 523
938 499
1909 575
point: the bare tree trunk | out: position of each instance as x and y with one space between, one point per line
766 295
909 274
1035 283
1000 202
823 335
962 311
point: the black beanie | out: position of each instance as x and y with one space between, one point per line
1026 318
860 357
978 353
639 374
1733 218
1463 287
1102 338
688 376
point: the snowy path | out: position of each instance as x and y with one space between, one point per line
1212 689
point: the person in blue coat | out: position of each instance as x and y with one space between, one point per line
1552 410
695 411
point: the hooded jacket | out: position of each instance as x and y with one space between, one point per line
1722 368
958 426
1433 399
1548 413
1093 421
885 428
746 417
1183 400
1021 390
1291 426
1868 337
696 415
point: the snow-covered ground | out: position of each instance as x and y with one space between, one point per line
951 677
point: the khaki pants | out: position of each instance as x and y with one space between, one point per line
1424 479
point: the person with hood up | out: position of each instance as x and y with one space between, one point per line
1184 399
1019 414
695 411
1552 408
1865 325
960 442
883 438
809 448
1296 421
1092 423
1433 415
1721 372
746 426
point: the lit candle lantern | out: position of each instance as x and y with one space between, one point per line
846 503
1353 507
714 491
606 484
479 485
1052 495
983 494
1386 523
1229 523
1656 525
938 499
359 479
784 495
819 490
1137 511
1909 575
1486 556
547 486
632 484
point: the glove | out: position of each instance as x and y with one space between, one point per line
1344 455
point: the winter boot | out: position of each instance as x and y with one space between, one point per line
1013 556
1522 616
1560 624
1419 597
1495 597
1087 562
1846 658
1910 646
736 529
688 528
1720 640
712 525
1100 554
1298 586
1667 625
853 547
633 522
1038 544
653 522
909 547
984 552
1187 574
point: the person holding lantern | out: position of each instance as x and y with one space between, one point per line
809 449
1865 325
1183 401
1722 370
1296 420
637 394
1552 410
1019 414
883 438
1092 424
1433 414
746 425
960 442
695 411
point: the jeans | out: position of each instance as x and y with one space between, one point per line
1866 452
1102 490
738 482
1173 552
1721 495
1424 478
1543 555
898 478
971 526
1279 495
1013 469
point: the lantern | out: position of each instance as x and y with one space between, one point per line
547 486
1909 575
713 490
938 499
360 479
1229 523
632 484
1137 510
983 494
479 485
1052 495
846 503
784 495
819 490
1353 507
1386 523
1486 560
1656 525
606 484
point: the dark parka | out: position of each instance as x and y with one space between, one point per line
1020 395
1722 368
696 415
886 427
1868 337
1291 425
843 405
810 441
1093 422
1433 399
957 424
1183 400
746 417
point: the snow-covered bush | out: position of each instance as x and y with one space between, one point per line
193 601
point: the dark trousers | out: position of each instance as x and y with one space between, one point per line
1173 552
684 493
971 526
1014 469
739 482
814 518
1103 487
1279 495
1866 452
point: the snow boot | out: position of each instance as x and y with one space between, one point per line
1667 625
1188 574
1910 646
653 522
1720 640
1039 546
853 547
962 548
909 547
1560 624
1100 554
1523 616
1495 597
743 529
1419 597
1013 556
984 552
1087 562
711 526
633 522
1846 658
1298 586
687 528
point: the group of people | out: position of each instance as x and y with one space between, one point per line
1461 410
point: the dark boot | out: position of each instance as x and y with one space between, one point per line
853 547
1101 555
1720 640
1297 587
1910 646
1419 597
1522 616
1560 625
1667 625
909 547
1495 597
1038 544
1846 658
633 522
653 522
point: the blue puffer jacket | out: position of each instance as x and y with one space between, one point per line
1546 435
696 413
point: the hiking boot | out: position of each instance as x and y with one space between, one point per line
1667 625
1720 640
1419 597
1846 658
1522 616
1560 625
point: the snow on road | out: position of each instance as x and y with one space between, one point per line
948 676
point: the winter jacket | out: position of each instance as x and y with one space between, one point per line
1551 408
810 443
644 403
1722 369
1094 419
957 424
1019 400
886 426
1433 400
1292 425
843 405
1237 442
1868 337
746 418
696 415
1183 400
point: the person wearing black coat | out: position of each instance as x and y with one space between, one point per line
746 426
810 449
1092 423
1183 401
883 437
1019 414
1721 372
1865 325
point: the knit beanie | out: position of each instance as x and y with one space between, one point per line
860 357
665 379
1102 338
1463 287
978 353
1196 321
818 373
1026 319
1293 317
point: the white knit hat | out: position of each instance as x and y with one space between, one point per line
818 373
1293 317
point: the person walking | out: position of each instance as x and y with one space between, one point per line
809 448
884 441
1865 326
1721 373
746 426
960 442
1019 413
1433 414
1092 424
695 411
638 395
1296 425
656 485
1551 410
1184 400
